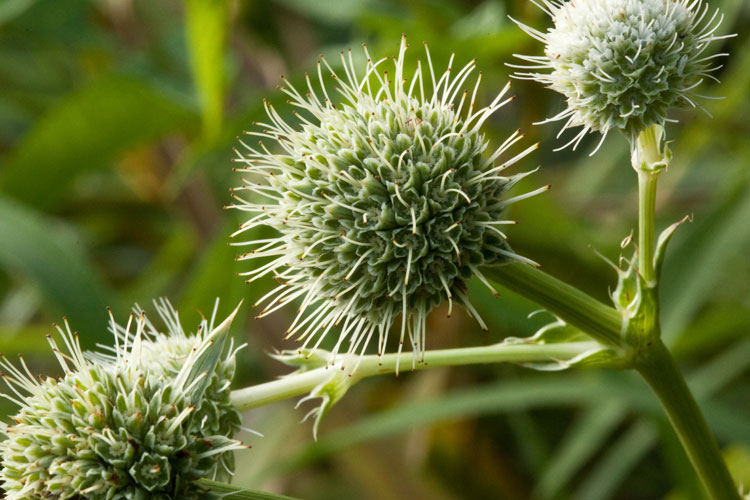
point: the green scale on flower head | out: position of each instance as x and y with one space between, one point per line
142 422
386 202
623 64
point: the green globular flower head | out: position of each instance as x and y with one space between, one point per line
386 201
623 64
144 421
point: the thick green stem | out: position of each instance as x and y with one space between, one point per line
649 157
600 321
660 371
646 210
286 387
297 384
652 359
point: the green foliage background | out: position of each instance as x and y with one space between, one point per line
117 122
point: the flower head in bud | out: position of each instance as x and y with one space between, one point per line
387 200
144 421
623 64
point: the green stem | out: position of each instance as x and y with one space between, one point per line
600 321
653 360
661 373
297 384
646 210
649 157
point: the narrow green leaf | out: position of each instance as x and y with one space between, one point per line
214 274
611 469
53 261
86 131
726 422
691 271
236 493
503 396
10 9
588 434
531 439
331 12
705 381
206 25
721 370
685 481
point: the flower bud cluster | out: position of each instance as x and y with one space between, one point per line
386 202
623 64
144 422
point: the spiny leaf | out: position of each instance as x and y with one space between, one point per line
207 359
663 241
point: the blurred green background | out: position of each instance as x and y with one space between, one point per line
117 122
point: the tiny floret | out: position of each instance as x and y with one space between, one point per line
385 197
623 64
145 420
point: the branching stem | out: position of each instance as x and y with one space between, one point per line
600 321
297 384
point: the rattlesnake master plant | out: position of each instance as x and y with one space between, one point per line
623 64
144 421
385 198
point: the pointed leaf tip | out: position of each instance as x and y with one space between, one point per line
204 359
663 241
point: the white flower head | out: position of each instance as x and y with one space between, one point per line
385 199
623 64
144 421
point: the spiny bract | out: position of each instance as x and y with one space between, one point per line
145 422
622 64
385 202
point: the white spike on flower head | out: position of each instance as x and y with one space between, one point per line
623 64
145 421
385 201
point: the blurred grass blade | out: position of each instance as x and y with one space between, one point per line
236 493
531 441
613 467
214 274
86 131
708 379
10 9
463 403
27 339
693 268
53 261
587 436
504 396
684 481
331 12
206 25
721 370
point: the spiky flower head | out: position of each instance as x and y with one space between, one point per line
385 198
622 64
142 421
